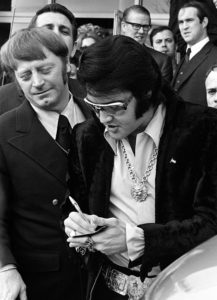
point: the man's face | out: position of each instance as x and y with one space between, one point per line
58 23
120 123
211 89
191 28
164 42
138 34
42 82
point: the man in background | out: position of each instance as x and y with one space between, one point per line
211 8
211 86
34 145
136 23
59 19
163 40
201 54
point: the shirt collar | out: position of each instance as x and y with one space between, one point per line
197 47
49 119
154 129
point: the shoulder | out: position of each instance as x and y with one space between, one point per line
10 88
157 55
198 116
7 122
10 96
90 131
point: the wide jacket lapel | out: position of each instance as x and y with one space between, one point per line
33 140
194 63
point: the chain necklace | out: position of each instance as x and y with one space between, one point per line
139 190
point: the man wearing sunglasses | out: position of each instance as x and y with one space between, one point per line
136 24
145 168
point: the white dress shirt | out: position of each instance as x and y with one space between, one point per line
197 47
122 205
49 119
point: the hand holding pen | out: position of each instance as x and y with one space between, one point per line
77 207
90 222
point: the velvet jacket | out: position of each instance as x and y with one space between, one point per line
186 180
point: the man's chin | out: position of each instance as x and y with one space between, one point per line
140 41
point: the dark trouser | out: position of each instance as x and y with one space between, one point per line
64 283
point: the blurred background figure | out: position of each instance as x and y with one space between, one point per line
163 40
211 86
86 39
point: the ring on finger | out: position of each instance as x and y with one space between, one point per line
90 244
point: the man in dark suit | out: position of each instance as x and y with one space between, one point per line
34 261
189 78
59 19
136 24
152 176
211 9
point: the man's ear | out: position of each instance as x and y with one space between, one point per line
68 66
205 22
73 50
123 27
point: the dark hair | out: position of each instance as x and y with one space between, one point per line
200 7
56 8
136 8
27 44
119 63
160 29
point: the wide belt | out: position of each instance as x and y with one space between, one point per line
124 284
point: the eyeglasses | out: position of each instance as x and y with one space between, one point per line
137 26
114 108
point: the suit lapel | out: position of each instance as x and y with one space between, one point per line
194 63
32 139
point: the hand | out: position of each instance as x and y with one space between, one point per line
110 241
12 286
76 225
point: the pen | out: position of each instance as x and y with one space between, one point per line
77 207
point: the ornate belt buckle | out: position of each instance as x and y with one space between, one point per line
136 288
117 282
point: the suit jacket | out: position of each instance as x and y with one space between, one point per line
12 96
190 84
186 181
33 172
164 63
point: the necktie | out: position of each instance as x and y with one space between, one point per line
63 137
187 55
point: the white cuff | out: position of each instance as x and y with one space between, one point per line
135 241
7 268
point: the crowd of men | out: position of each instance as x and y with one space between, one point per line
108 176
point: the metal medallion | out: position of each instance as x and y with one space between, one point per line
139 192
